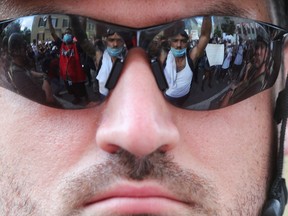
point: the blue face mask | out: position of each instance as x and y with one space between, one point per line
68 38
178 53
115 52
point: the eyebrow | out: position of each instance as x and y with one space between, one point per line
222 8
16 8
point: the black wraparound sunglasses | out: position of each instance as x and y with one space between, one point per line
199 63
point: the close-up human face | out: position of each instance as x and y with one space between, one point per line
135 153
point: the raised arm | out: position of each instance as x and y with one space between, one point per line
203 40
52 30
79 32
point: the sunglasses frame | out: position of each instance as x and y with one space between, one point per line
145 36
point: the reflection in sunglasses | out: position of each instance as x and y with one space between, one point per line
200 63
179 40
114 40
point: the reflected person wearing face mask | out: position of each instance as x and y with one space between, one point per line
178 63
68 38
71 71
115 50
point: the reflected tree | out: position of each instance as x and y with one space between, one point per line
27 34
228 26
217 32
15 27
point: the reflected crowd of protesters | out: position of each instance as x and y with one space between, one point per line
245 70
246 66
72 70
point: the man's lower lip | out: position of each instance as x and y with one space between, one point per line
127 205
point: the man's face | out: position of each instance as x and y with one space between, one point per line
68 31
261 53
22 52
115 41
135 154
179 42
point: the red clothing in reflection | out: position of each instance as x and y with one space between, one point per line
70 65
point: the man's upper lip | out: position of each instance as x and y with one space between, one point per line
128 191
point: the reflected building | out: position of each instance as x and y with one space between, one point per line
40 28
193 28
245 29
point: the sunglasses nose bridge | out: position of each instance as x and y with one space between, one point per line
139 63
120 65
154 65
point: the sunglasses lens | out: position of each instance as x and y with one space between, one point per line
62 61
72 62
241 59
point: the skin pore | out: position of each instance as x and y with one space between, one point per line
61 162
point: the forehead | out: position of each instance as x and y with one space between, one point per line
178 37
68 31
114 36
260 44
140 13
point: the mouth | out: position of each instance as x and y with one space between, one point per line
127 199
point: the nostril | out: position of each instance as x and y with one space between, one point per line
163 149
111 148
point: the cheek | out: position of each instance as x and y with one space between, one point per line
173 45
41 143
234 141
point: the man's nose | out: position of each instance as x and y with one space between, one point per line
136 117
115 44
178 45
